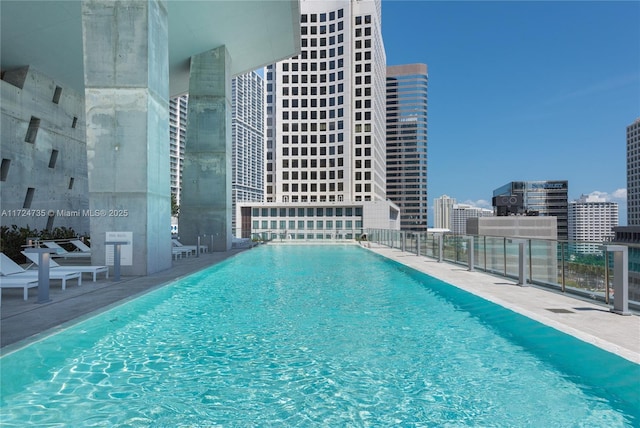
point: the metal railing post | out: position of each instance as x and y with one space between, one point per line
504 256
440 248
470 255
522 265
530 260
620 279
606 276
418 245
562 268
484 246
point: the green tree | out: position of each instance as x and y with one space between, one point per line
175 208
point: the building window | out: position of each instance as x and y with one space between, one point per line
4 169
56 95
32 131
28 197
53 159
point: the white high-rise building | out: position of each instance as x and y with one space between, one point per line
461 212
177 139
247 133
591 222
326 130
326 108
442 209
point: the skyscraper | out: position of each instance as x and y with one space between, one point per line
442 208
543 198
633 173
326 108
591 222
247 134
325 129
630 234
177 140
407 143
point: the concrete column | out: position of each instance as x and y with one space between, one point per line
126 69
470 253
205 205
620 278
522 263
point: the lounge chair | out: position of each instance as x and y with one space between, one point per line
24 283
81 246
179 252
94 270
61 252
178 244
11 270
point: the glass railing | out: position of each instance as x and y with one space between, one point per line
581 268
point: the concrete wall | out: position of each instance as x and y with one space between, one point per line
514 227
380 215
60 189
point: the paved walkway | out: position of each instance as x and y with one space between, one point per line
588 321
20 321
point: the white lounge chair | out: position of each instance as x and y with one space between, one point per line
94 270
61 252
24 283
178 244
81 246
11 270
179 252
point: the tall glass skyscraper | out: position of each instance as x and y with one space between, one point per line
326 108
407 143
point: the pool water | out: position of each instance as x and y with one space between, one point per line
314 336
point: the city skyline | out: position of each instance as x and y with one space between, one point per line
523 91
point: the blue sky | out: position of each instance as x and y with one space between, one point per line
521 90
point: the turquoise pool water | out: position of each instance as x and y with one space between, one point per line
314 336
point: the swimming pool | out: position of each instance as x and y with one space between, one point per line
314 336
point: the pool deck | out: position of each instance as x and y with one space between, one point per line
22 322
